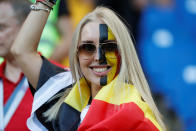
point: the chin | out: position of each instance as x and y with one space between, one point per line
95 82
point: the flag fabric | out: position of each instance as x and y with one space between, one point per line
112 111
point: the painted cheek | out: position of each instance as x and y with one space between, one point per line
109 58
113 60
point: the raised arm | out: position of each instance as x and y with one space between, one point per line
25 46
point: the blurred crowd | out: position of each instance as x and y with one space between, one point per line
164 33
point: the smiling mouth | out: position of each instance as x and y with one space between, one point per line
101 71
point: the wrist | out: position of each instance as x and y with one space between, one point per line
44 5
48 3
39 6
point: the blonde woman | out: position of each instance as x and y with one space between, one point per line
109 91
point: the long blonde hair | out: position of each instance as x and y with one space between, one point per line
131 71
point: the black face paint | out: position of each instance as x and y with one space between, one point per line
102 58
103 81
103 29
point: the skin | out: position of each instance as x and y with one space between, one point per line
9 27
99 60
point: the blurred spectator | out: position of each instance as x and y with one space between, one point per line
77 9
65 29
167 51
15 96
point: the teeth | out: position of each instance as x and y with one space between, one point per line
99 69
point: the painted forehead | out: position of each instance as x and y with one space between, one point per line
105 33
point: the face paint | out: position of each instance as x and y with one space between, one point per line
110 58
103 29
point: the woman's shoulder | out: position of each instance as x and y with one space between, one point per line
51 73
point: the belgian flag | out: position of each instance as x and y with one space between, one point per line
108 112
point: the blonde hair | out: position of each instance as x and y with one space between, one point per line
131 71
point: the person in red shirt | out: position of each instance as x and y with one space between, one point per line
15 95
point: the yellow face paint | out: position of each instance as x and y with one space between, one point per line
113 59
110 35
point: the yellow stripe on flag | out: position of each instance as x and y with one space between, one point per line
77 98
126 94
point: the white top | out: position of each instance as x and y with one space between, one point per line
83 113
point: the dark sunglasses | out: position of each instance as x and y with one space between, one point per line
91 48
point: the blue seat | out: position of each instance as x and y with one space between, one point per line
167 52
186 12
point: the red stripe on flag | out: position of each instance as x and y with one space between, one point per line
103 116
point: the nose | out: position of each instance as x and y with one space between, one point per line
97 54
100 55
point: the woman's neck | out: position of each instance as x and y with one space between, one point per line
94 90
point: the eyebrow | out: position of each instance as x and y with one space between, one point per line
108 41
87 41
91 42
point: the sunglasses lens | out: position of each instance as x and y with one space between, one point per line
109 47
87 48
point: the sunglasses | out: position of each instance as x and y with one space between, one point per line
91 48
